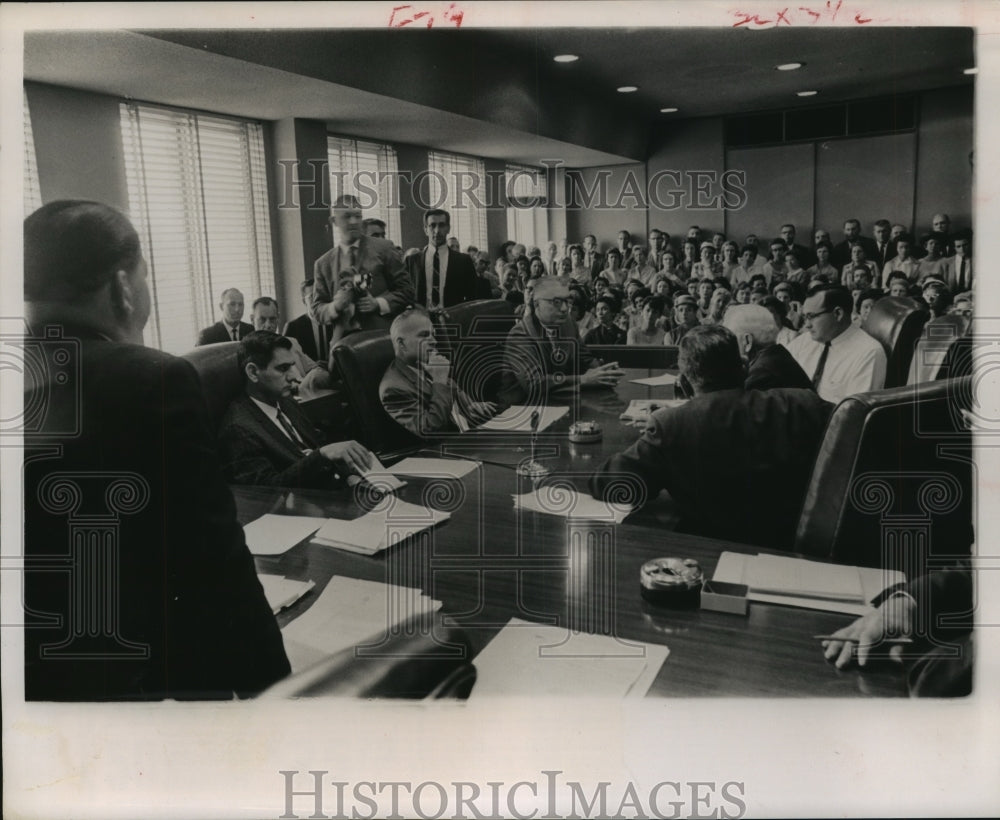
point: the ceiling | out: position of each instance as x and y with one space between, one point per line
497 92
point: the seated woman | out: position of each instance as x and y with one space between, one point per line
717 304
863 305
613 270
579 272
646 332
730 260
607 331
536 267
933 265
742 294
706 267
686 266
938 297
579 310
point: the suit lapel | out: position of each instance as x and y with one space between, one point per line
267 428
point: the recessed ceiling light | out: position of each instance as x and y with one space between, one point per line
566 58
971 71
789 66
806 93
667 110
628 89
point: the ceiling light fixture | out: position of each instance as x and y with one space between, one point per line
628 89
668 110
971 71
789 66
806 93
566 58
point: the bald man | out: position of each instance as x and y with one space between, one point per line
417 389
769 365
544 359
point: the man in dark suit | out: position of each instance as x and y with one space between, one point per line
805 256
769 364
852 236
593 260
543 357
751 452
885 248
265 439
154 593
360 283
417 389
307 331
441 276
230 328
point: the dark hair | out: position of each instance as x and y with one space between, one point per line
778 241
825 243
574 247
872 293
614 252
611 300
346 201
710 358
835 296
437 212
308 283
74 247
657 303
722 282
897 274
258 347
583 300
264 300
758 277
372 221
749 249
883 223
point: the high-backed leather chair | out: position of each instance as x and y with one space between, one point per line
473 335
361 360
933 352
221 379
896 322
893 480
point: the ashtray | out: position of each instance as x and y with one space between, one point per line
585 432
672 582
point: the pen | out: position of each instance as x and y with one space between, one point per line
855 640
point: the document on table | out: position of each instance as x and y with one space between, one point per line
527 659
640 409
517 419
658 381
435 467
562 500
378 529
274 534
283 592
806 584
382 478
348 612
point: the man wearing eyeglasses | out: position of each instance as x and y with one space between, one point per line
544 359
839 357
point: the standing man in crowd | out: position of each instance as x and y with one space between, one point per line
442 276
309 333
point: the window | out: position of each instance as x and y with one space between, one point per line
197 193
368 170
525 189
458 184
32 191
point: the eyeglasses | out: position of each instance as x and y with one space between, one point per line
558 302
809 317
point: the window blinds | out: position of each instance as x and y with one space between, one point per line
370 171
459 184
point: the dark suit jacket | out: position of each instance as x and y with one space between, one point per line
535 369
420 406
220 333
302 330
461 285
806 257
735 463
841 253
188 597
775 367
255 451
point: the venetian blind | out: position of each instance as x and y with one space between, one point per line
458 184
369 170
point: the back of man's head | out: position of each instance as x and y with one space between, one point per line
73 248
755 321
258 348
710 358
835 296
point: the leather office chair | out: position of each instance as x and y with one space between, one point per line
896 322
360 360
893 480
473 335
933 355
221 379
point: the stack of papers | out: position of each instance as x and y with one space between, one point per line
640 409
558 499
658 381
527 659
797 582
435 467
517 419
350 612
379 529
283 592
274 534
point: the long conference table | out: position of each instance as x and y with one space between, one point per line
490 562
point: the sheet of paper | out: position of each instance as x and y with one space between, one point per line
379 529
640 409
517 419
435 467
348 612
568 503
658 381
382 478
283 592
527 659
274 534
781 575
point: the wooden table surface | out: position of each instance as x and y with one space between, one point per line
488 563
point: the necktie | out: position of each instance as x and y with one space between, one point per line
820 366
961 274
286 425
436 281
236 333
353 256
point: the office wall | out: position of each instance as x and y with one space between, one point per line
603 201
944 173
780 185
78 144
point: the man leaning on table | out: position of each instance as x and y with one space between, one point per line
736 462
265 439
417 389
544 359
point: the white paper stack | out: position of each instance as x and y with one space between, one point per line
662 380
283 592
349 612
379 529
274 534
640 409
568 503
435 467
380 477
527 659
517 419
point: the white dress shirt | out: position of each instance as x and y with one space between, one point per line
856 363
